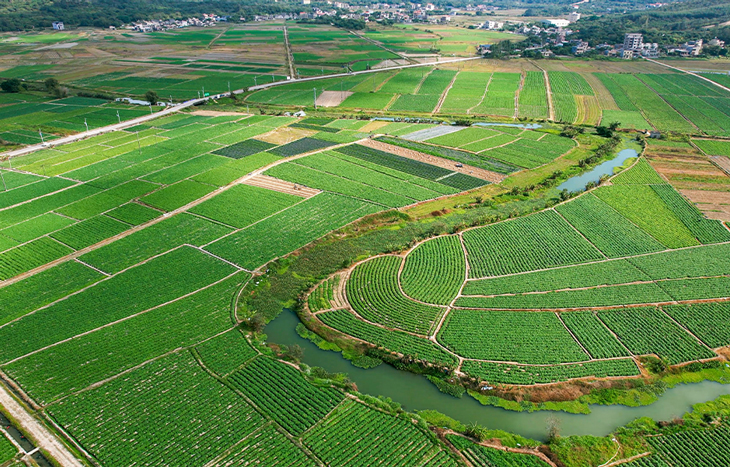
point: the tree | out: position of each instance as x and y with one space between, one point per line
11 85
51 84
151 97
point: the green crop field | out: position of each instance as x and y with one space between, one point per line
140 269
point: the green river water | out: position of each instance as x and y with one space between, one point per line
415 392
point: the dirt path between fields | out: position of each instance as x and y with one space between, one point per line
497 445
493 177
40 434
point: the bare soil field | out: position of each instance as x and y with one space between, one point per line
285 135
433 160
217 113
332 98
271 183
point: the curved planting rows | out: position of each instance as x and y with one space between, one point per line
374 294
435 270
510 336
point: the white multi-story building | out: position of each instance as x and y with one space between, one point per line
492 25
633 41
559 23
573 17
57 25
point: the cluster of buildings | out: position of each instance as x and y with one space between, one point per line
163 25
632 47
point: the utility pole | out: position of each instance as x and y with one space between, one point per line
118 117
254 81
139 147
5 187
315 98
229 88
40 133
87 125
198 94
151 109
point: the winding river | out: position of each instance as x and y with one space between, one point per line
415 392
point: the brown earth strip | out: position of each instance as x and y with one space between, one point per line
332 98
702 196
282 186
433 160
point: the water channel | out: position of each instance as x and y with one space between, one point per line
579 182
415 392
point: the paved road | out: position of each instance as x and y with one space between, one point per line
377 70
191 102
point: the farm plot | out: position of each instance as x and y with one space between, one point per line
330 163
290 229
172 399
434 271
658 113
709 260
627 294
243 205
35 227
244 148
461 138
650 214
452 154
16 195
300 175
626 119
301 146
565 86
608 230
528 153
268 447
373 293
538 241
150 284
43 288
29 256
641 173
89 232
506 373
593 335
700 448
394 341
510 336
350 434
77 363
571 277
713 147
177 195
283 394
649 331
704 320
467 92
500 96
133 213
480 456
154 240
700 288
706 231
533 96
225 353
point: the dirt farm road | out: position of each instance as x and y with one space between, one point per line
40 433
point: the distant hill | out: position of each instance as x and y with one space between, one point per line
29 14
677 22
